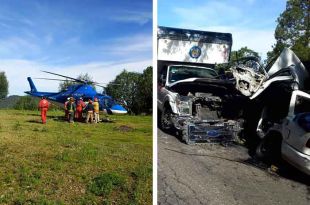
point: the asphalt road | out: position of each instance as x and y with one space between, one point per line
213 174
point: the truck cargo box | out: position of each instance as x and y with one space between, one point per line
192 46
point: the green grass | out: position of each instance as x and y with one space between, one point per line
62 163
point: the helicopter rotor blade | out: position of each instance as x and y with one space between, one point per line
55 79
80 81
107 83
77 80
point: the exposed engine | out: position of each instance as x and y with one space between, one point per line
247 80
206 106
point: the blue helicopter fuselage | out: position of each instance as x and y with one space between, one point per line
106 103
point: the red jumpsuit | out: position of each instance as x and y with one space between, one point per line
79 109
43 105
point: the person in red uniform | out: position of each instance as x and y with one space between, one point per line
43 106
79 109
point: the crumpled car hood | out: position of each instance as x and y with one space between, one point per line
288 58
286 68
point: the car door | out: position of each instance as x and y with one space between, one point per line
294 130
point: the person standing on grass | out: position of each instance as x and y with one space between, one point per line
43 107
66 110
96 110
90 111
80 105
71 107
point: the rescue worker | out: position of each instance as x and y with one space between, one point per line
71 107
66 110
43 107
80 105
96 110
90 111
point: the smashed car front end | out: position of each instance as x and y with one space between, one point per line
206 110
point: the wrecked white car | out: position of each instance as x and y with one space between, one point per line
284 123
288 137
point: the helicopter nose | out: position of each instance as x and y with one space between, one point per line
118 109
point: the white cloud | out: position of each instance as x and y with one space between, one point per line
224 17
17 72
211 13
130 45
138 17
17 46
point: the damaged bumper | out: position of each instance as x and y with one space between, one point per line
214 131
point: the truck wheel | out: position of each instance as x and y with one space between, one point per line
165 119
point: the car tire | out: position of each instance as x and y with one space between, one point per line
269 148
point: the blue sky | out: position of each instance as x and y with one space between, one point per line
251 22
99 37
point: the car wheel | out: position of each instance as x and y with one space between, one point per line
263 149
269 148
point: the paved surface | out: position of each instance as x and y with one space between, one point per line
213 174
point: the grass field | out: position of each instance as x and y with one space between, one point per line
62 163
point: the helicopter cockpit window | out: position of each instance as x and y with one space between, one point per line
108 102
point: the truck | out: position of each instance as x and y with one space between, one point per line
194 98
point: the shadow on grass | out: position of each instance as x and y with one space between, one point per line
63 119
35 121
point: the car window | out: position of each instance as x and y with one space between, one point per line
177 73
302 105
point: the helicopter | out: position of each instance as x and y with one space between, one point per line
83 89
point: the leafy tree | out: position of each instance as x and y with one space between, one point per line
135 89
125 87
243 52
4 85
293 30
65 84
146 90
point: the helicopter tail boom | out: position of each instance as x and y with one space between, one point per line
33 88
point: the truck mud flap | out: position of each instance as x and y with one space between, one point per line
205 132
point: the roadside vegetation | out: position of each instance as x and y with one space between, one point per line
61 163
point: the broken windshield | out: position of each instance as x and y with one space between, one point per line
177 73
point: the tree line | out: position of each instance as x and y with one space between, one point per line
134 90
292 31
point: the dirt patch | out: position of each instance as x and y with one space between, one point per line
124 128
